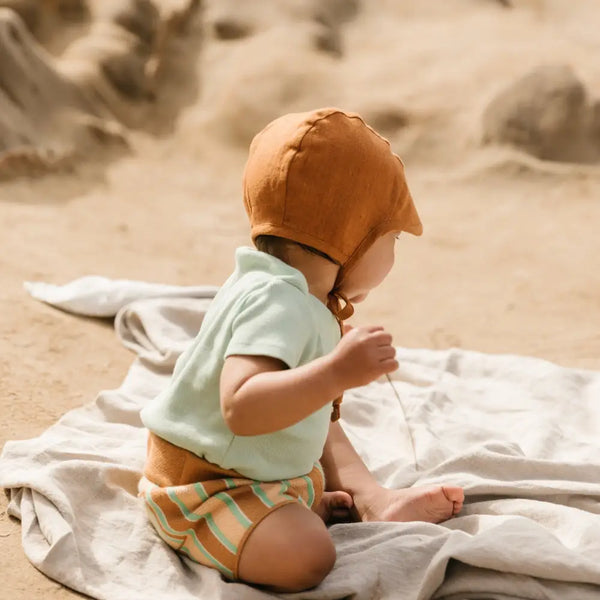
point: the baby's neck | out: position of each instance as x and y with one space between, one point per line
319 272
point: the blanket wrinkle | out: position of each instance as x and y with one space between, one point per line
172 326
519 433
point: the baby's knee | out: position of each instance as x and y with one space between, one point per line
312 562
289 551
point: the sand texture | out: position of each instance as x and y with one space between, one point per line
123 130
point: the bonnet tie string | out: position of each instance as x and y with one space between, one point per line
341 313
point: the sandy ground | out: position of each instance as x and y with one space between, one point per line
509 262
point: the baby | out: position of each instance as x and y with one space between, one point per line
246 460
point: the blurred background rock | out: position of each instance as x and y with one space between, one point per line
76 76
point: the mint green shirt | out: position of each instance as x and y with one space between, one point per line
264 308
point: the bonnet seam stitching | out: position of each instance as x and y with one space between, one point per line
297 149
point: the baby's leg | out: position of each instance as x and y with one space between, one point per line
290 550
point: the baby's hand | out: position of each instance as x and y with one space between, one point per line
362 355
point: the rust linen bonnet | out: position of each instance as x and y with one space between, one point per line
326 179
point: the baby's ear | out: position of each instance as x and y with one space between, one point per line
346 327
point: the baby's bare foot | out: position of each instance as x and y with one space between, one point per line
432 504
334 507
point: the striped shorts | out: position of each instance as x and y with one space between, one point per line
206 512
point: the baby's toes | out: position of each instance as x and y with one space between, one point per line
455 495
339 499
336 507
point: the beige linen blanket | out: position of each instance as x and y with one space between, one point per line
520 434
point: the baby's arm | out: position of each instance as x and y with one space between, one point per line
259 394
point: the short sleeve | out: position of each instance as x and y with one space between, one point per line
274 320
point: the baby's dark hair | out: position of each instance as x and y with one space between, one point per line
278 247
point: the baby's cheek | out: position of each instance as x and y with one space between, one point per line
358 298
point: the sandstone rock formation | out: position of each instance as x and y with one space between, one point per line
267 58
230 19
56 107
76 75
547 114
43 115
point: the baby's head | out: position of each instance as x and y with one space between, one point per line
326 180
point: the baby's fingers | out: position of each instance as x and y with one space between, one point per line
388 365
373 329
382 338
385 352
